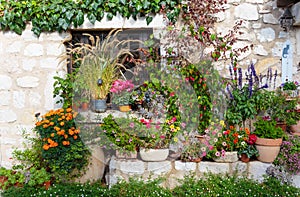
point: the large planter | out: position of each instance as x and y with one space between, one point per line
228 158
268 149
295 128
154 154
99 105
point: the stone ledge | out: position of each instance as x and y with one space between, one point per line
174 170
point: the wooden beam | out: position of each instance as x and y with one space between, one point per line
286 3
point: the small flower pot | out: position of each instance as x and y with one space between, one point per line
47 184
124 108
295 128
281 125
244 158
84 106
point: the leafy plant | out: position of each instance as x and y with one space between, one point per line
62 149
60 15
290 85
36 177
13 177
191 151
101 63
266 128
117 134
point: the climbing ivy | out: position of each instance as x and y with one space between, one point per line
59 15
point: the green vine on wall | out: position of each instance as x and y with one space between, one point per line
59 15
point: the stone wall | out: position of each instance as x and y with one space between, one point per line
173 170
28 63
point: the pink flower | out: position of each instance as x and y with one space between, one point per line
217 154
203 154
162 137
157 126
172 94
210 147
131 125
174 119
183 125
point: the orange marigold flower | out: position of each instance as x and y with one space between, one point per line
51 123
68 119
59 119
46 147
235 134
65 136
247 131
38 123
45 126
68 109
75 137
62 123
52 135
63 117
77 131
231 127
65 143
56 128
62 132
71 132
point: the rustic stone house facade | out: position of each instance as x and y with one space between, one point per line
28 63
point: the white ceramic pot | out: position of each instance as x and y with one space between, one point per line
154 154
228 158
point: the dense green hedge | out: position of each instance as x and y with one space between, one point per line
59 15
213 185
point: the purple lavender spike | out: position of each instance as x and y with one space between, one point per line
240 77
228 90
250 84
271 75
230 70
275 76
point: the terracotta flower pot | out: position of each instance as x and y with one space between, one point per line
268 149
124 108
295 128
84 106
47 184
244 158
281 125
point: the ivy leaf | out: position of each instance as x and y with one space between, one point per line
69 14
149 19
79 18
109 16
91 17
123 2
63 23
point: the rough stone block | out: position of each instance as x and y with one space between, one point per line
214 167
5 82
132 167
49 63
296 180
28 64
34 99
239 167
7 116
5 97
14 47
251 14
28 82
159 167
257 170
266 35
185 166
33 50
19 99
55 49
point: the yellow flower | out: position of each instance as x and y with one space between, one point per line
222 123
178 128
175 139
167 121
172 126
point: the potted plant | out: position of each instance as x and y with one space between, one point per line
225 143
118 134
121 94
100 64
191 152
269 139
290 88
